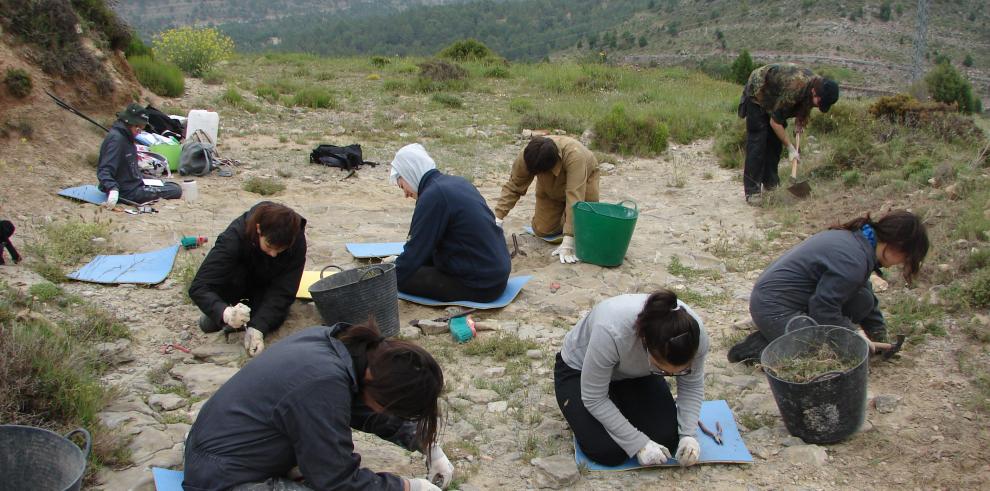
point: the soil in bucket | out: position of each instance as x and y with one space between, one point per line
812 365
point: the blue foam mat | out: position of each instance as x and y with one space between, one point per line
87 192
147 268
512 288
167 479
733 451
553 239
375 249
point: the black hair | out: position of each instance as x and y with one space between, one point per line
668 333
540 155
405 379
899 229
279 224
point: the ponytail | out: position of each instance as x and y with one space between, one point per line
901 230
668 331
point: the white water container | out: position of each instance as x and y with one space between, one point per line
189 191
200 119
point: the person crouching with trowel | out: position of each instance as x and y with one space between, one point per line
118 171
773 94
827 278
296 404
566 172
250 277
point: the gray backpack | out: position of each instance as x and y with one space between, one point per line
199 155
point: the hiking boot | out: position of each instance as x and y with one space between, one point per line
207 325
749 349
754 199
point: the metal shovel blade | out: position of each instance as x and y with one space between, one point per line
800 189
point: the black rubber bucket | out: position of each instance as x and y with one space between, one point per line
350 296
832 406
41 460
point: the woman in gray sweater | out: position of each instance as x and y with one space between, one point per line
827 277
610 379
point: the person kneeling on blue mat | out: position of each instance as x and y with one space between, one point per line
455 251
609 379
827 278
250 277
296 404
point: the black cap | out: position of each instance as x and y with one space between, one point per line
133 115
830 94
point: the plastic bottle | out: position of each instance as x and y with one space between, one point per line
200 119
192 241
190 192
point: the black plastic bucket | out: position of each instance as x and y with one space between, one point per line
832 406
41 460
350 296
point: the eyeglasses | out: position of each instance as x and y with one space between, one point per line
663 373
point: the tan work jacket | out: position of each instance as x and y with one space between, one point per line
573 179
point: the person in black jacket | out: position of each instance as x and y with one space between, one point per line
118 171
295 405
827 278
257 264
455 250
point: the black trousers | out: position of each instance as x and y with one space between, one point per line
145 194
763 150
646 402
430 282
6 231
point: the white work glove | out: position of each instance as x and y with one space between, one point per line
792 152
653 454
389 259
688 451
237 315
439 466
254 341
498 222
421 485
112 198
566 251
879 284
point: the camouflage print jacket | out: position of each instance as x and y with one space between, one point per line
783 90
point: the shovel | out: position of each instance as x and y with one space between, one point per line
800 189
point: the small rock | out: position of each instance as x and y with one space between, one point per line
481 396
464 430
556 472
433 327
745 324
606 168
886 403
115 352
166 402
758 404
811 455
490 325
410 332
202 379
534 354
219 353
458 403
981 320
791 441
495 371
498 406
99 240
185 336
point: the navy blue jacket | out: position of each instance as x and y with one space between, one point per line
294 404
118 167
453 226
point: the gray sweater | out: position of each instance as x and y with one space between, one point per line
604 347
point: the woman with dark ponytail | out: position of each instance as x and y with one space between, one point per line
610 379
296 403
827 277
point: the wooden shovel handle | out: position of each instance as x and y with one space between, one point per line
794 162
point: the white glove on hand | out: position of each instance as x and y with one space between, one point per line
688 451
653 454
254 341
421 485
879 284
439 466
566 251
792 153
389 259
498 222
112 198
237 315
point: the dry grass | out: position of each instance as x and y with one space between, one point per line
810 365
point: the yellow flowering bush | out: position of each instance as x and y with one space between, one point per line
194 50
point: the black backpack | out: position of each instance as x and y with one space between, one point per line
162 124
347 158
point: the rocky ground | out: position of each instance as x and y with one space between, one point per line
503 429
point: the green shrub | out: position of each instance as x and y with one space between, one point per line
262 186
730 146
968 61
521 106
627 134
267 93
18 82
91 323
447 100
742 67
380 61
543 119
441 71
946 84
977 259
314 97
163 79
136 47
497 72
977 292
232 97
851 178
45 291
394 86
105 21
214 77
66 243
194 50
467 50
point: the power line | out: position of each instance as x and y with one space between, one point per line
919 41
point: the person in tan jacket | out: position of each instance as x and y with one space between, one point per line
566 172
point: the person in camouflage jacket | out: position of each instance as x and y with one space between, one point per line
774 94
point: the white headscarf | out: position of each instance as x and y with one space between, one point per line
411 162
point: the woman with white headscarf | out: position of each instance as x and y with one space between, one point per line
454 251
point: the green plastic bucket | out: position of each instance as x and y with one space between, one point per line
602 231
171 152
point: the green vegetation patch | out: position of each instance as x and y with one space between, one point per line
18 82
629 134
164 79
501 346
263 186
314 97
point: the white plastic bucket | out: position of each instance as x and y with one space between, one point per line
200 119
189 191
